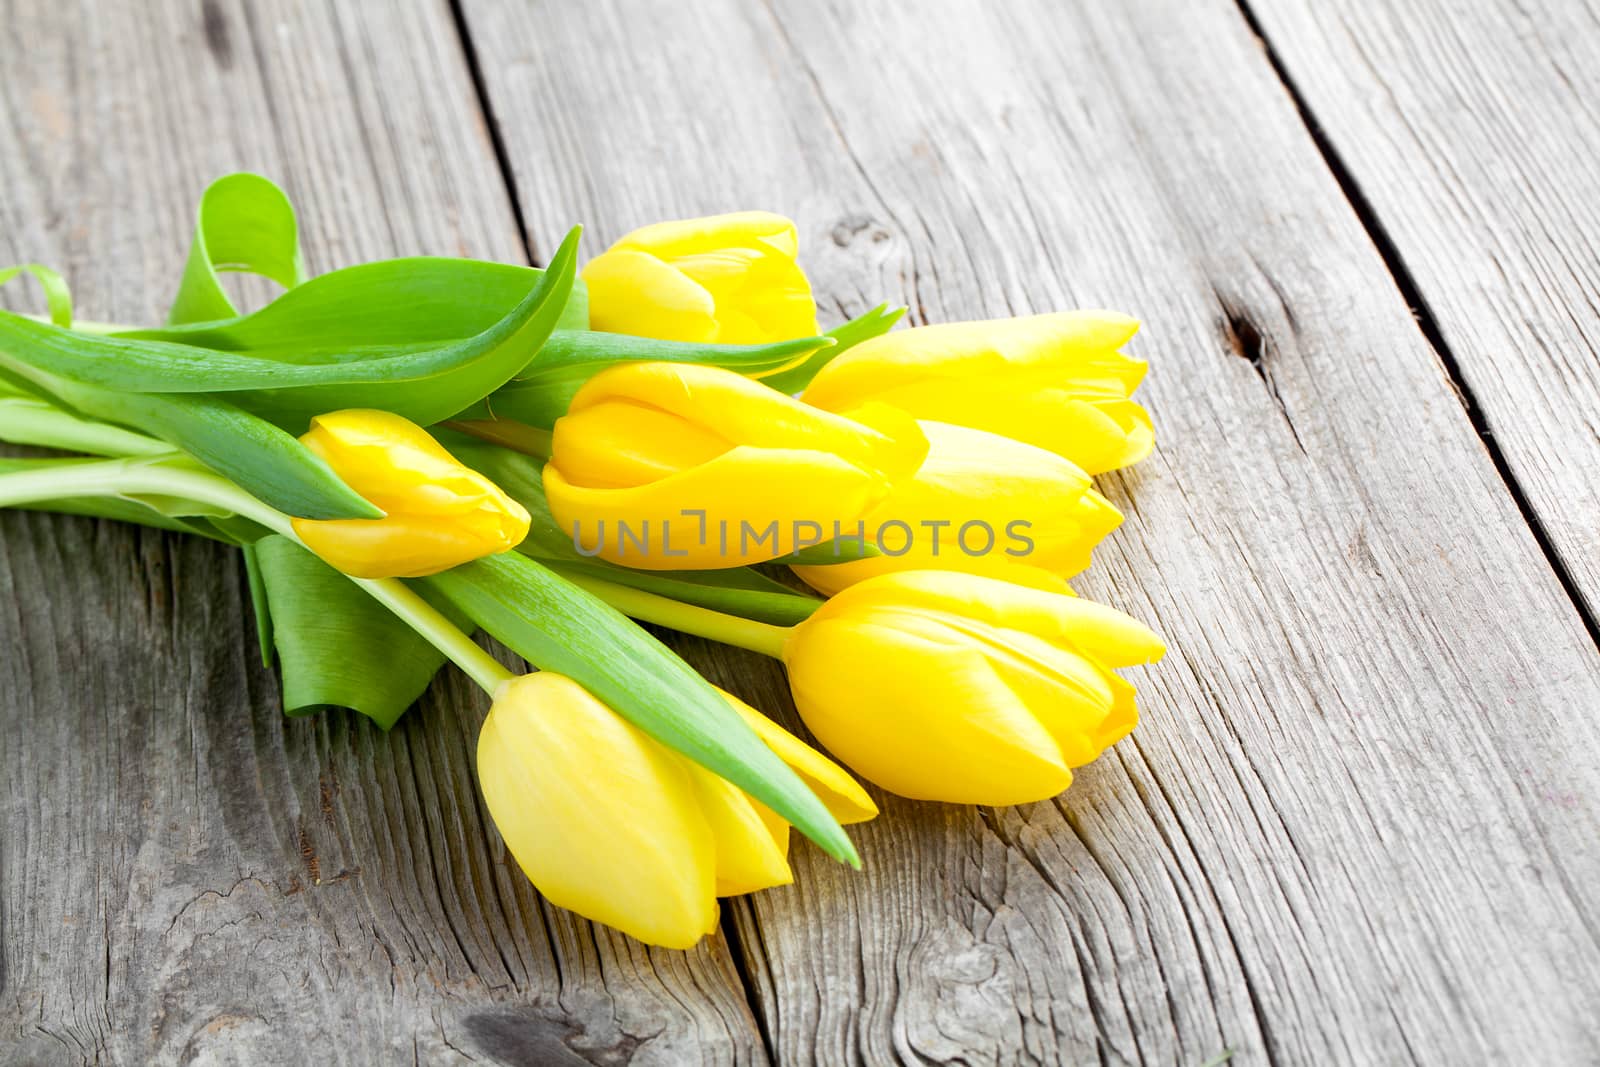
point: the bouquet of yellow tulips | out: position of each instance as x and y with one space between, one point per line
410 451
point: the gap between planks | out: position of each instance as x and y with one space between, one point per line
1427 322
491 123
728 928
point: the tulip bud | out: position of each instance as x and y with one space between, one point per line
727 279
611 824
982 504
1056 381
604 820
672 466
945 686
437 512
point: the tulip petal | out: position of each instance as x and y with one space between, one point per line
748 413
1114 638
401 546
925 718
1124 715
629 847
1055 381
621 443
397 465
751 844
756 504
1055 343
961 511
684 237
761 294
842 794
1095 435
635 292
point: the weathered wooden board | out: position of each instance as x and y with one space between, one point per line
185 876
1360 819
1472 134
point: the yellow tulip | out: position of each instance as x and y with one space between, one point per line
945 686
1056 381
982 504
611 824
729 279
437 512
671 466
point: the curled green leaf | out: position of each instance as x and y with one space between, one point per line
243 223
57 297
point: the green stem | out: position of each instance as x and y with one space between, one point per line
136 477
28 421
439 631
688 618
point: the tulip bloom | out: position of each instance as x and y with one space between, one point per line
728 279
982 504
671 466
1056 381
611 824
437 512
945 686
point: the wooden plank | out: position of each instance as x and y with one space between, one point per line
1469 132
1358 820
186 876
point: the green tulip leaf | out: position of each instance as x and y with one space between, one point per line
261 458
556 626
336 645
425 383
439 382
244 223
864 327
416 300
265 461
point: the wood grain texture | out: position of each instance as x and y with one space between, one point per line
1472 139
1359 822
186 876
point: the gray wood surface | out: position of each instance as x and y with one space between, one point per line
186 876
1474 141
1359 822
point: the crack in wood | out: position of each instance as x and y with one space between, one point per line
736 952
1247 341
